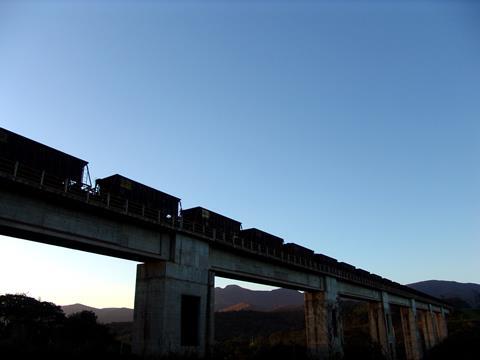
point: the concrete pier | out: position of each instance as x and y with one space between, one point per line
433 328
174 303
413 349
424 329
442 324
390 332
322 322
377 326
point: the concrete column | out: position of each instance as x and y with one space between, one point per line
442 317
173 304
424 329
389 326
413 348
438 323
210 323
427 329
373 322
378 330
322 322
433 326
415 329
441 324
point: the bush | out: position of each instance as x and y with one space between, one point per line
29 326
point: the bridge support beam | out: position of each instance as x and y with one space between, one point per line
442 324
390 332
424 329
378 330
173 308
322 322
413 348
433 326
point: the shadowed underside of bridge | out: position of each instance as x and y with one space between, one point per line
174 295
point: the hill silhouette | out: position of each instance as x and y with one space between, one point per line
235 298
468 293
230 298
104 316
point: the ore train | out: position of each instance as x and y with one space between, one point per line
57 167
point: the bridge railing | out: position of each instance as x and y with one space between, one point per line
45 181
20 172
7 166
119 204
116 203
87 193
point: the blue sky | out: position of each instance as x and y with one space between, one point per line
351 128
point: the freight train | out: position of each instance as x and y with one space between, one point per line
138 194
32 155
27 155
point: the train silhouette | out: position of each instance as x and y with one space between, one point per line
51 167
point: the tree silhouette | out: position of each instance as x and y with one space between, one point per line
27 324
85 335
31 326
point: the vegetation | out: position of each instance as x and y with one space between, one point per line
253 335
463 342
250 335
250 324
32 327
29 326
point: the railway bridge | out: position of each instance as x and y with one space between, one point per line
174 295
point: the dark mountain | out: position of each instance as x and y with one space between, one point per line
466 293
237 307
70 309
105 315
231 298
234 298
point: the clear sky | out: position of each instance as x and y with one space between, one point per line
351 128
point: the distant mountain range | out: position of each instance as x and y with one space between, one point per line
458 293
235 298
105 315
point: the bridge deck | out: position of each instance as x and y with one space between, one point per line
153 235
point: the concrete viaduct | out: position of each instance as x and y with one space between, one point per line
174 295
